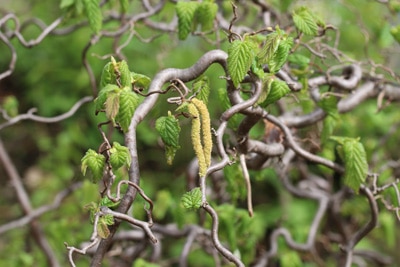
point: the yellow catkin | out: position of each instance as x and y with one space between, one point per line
196 139
206 128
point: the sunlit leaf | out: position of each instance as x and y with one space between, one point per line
95 162
192 200
185 12
277 90
112 104
125 74
205 15
105 201
240 58
128 103
120 156
102 230
102 97
140 81
305 21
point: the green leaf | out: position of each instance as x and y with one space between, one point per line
169 129
125 78
105 201
124 5
107 76
185 12
140 81
120 156
128 103
102 229
93 13
329 105
277 90
205 15
108 219
329 125
299 60
66 3
10 105
201 88
102 97
95 162
192 200
271 45
112 104
290 259
279 58
395 32
305 21
240 58
355 161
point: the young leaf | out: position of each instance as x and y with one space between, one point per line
279 58
105 201
108 219
192 200
102 97
124 5
329 105
140 81
102 229
240 58
278 89
107 76
201 87
125 78
93 13
271 45
305 21
169 129
95 162
355 161
185 12
299 60
112 104
119 156
128 103
205 15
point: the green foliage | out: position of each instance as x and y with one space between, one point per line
128 102
125 74
240 58
275 90
305 21
100 101
95 162
10 105
119 156
354 156
169 129
192 200
105 201
205 14
185 12
201 88
140 81
93 13
124 5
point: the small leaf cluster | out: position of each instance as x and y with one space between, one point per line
116 97
104 221
352 152
192 14
96 162
169 130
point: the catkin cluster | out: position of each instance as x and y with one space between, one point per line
201 134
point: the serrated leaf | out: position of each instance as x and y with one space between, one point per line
124 5
185 12
93 13
305 21
125 74
169 129
240 58
112 104
103 95
108 219
205 15
201 88
140 81
192 200
102 229
107 75
278 89
95 162
356 165
119 156
280 56
105 201
272 41
128 103
354 156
